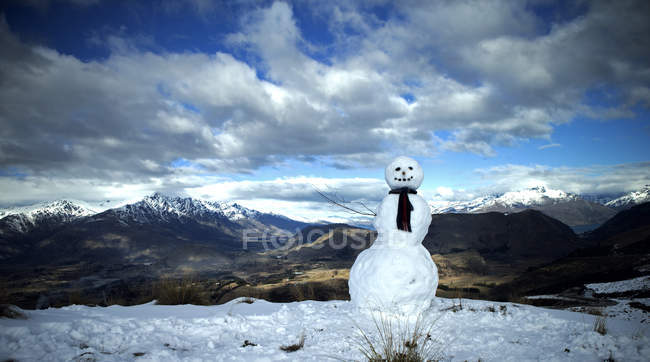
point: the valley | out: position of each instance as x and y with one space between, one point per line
164 245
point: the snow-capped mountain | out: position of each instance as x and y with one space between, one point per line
153 208
566 207
161 208
630 199
463 206
155 228
233 211
522 199
24 219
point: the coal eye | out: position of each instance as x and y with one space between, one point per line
397 169
410 168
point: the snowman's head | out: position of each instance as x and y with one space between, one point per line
404 172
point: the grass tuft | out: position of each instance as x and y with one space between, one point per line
600 325
398 340
178 291
296 346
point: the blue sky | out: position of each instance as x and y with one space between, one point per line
260 101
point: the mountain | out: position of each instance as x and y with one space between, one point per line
620 250
22 226
569 208
513 200
154 226
154 208
630 199
159 208
527 234
628 227
262 222
25 219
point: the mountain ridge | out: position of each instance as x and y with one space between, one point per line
630 199
569 208
159 206
152 225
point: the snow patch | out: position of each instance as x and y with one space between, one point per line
640 283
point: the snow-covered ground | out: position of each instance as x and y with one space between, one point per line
487 330
611 307
640 283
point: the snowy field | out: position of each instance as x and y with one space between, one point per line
483 330
640 283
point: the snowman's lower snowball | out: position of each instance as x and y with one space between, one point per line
402 280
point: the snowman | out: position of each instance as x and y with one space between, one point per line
396 274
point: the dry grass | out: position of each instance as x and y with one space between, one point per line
594 311
291 292
178 291
398 340
600 325
296 346
11 312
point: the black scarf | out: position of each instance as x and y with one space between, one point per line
404 208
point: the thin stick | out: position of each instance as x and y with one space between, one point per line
341 203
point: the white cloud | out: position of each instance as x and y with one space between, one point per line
549 145
350 108
298 197
581 180
486 73
299 188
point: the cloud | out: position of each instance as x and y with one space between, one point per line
550 145
494 73
298 197
479 75
596 179
214 109
25 190
294 189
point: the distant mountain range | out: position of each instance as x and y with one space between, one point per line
573 210
154 208
630 199
154 228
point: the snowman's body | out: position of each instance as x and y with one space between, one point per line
396 273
